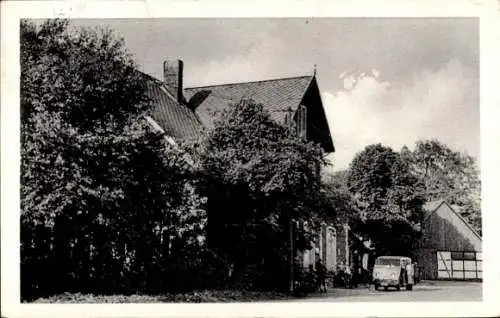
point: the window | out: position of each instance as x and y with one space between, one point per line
302 121
388 261
463 256
457 255
469 256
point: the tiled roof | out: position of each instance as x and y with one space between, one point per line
178 121
277 96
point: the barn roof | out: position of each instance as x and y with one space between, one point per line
432 206
277 96
177 120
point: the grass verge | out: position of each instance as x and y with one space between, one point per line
206 296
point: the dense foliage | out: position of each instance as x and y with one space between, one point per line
109 206
104 201
387 191
389 198
259 179
448 175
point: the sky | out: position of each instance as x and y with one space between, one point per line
383 80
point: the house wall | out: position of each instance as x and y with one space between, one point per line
327 248
331 251
443 230
308 257
342 245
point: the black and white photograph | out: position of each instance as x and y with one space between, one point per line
249 160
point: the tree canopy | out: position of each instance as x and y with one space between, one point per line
343 205
389 198
389 189
258 176
79 92
98 187
449 175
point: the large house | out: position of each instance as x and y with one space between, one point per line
180 113
450 248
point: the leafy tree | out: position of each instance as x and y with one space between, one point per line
102 196
447 174
342 202
75 86
258 176
388 197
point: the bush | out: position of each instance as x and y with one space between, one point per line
343 278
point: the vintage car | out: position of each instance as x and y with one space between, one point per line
393 271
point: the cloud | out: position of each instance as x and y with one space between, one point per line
442 104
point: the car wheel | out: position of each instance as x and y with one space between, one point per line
386 288
409 287
398 287
376 286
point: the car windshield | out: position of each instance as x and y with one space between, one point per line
387 261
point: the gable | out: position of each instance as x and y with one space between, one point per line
318 129
445 229
278 96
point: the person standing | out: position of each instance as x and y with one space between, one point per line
321 276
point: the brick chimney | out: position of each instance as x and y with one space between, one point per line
172 77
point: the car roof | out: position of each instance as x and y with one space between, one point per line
394 257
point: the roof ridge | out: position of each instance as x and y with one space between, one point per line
438 203
252 82
149 76
464 221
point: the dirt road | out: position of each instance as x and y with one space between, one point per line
425 291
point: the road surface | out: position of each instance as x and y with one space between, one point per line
424 291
